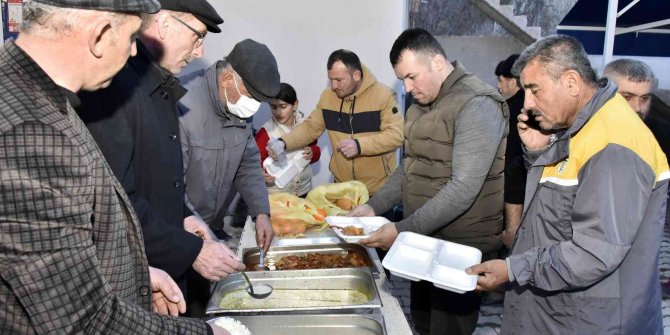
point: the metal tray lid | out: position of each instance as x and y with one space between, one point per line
419 257
322 324
312 237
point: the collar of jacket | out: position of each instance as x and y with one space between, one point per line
218 103
72 97
20 60
561 148
455 75
145 65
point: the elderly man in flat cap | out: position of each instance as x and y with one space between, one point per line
135 123
71 250
219 150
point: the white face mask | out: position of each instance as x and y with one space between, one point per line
245 107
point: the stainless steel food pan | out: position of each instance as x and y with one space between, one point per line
293 284
312 236
250 256
322 324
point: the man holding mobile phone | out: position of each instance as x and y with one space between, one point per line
585 259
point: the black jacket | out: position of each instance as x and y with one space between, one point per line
134 121
515 170
661 130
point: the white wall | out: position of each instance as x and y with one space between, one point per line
481 54
660 66
301 34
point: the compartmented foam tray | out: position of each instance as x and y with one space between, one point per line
284 173
312 237
418 257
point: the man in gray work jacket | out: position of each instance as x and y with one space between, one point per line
451 178
585 258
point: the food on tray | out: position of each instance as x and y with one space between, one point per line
293 298
339 198
291 216
320 261
233 326
353 231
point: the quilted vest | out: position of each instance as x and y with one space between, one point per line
429 137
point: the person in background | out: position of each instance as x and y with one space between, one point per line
585 259
635 82
285 117
72 253
515 169
450 181
363 122
134 122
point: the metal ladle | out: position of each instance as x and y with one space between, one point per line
261 261
261 291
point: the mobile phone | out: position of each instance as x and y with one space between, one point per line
531 122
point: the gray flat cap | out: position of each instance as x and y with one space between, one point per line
257 67
124 6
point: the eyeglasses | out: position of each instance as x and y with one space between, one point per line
200 35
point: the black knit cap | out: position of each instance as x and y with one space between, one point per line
201 9
257 67
123 6
504 68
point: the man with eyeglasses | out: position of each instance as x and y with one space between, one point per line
135 124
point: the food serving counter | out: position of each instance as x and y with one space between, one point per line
391 317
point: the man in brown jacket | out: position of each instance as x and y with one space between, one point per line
363 121
451 178
72 259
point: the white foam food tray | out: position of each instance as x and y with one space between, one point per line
419 257
284 174
369 225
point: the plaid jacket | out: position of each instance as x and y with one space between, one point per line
71 253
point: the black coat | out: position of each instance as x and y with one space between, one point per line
661 130
134 121
515 170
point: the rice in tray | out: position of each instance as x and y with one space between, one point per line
293 298
233 326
